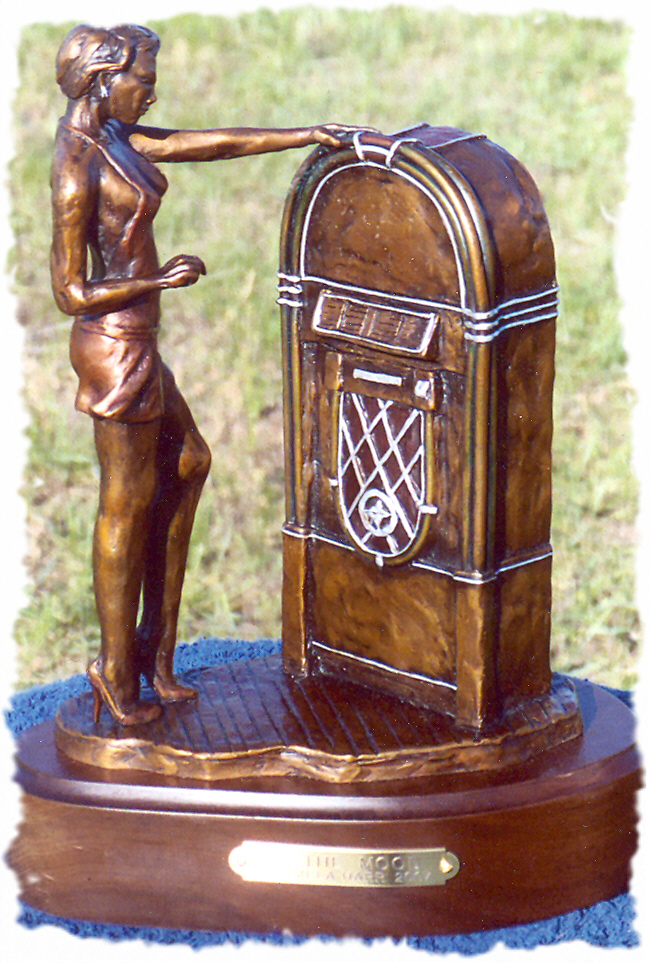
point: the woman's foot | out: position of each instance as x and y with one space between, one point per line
133 713
171 690
161 677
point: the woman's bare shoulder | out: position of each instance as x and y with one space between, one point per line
74 162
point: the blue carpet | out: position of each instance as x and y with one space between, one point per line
607 924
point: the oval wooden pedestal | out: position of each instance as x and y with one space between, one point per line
552 835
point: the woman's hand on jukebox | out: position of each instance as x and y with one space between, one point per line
335 135
181 271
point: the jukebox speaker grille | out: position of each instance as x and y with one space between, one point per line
381 473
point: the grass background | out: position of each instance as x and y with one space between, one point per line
548 87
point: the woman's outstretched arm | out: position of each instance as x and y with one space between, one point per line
206 145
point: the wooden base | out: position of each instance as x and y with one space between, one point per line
550 836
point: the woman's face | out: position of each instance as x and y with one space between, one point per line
131 93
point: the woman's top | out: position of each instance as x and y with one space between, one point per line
115 354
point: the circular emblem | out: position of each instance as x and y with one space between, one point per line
377 512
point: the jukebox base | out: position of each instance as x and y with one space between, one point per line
551 835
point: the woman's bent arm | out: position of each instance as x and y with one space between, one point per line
74 198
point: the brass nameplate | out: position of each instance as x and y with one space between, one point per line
297 864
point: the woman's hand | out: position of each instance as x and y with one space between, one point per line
181 271
334 135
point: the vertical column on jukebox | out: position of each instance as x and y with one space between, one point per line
418 298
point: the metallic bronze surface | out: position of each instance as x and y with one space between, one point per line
403 622
253 719
418 295
347 247
106 190
412 733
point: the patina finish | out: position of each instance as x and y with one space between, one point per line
418 298
411 732
254 719
419 302
106 190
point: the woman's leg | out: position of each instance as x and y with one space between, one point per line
183 464
128 482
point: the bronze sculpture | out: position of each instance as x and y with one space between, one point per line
153 460
411 734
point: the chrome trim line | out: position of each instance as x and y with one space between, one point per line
357 146
399 173
400 300
371 148
396 145
470 335
482 326
469 578
385 668
523 562
318 537
293 533
454 140
377 377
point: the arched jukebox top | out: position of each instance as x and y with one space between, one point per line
418 295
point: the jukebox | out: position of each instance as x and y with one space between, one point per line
418 297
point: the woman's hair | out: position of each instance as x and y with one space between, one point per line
88 52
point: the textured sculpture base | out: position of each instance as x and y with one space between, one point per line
252 719
536 840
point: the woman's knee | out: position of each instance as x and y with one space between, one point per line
194 456
195 460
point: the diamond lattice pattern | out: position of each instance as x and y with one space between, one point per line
381 472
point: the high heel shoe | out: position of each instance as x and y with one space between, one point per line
132 714
165 685
170 690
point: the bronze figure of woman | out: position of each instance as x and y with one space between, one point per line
106 190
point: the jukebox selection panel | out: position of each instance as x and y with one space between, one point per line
382 326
